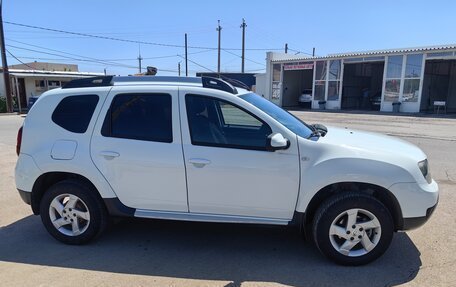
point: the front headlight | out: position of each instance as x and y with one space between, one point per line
424 167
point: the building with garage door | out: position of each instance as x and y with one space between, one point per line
420 79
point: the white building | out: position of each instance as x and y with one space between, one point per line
418 78
33 79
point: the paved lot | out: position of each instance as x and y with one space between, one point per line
159 253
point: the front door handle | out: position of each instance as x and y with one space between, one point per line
199 162
109 154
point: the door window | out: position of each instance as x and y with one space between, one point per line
215 122
140 117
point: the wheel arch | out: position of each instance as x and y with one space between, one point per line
46 180
379 192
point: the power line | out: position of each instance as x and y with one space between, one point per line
199 65
244 57
19 60
62 52
93 60
128 40
109 60
75 59
132 67
300 52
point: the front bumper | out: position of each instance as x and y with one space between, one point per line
415 222
26 196
417 202
415 199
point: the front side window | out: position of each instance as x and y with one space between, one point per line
140 116
74 113
283 117
215 122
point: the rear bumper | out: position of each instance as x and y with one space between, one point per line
415 222
26 196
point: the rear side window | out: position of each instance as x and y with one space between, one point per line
74 113
141 117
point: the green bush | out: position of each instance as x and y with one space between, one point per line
2 105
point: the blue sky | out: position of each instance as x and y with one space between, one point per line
329 26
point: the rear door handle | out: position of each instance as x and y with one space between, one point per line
199 162
109 154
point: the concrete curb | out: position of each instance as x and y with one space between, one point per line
9 114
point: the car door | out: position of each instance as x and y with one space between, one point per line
229 170
137 147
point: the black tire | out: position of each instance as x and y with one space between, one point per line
93 204
332 208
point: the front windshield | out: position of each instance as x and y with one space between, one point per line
285 118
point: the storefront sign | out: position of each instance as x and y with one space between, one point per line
298 66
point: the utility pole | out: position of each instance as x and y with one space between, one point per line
243 25
286 48
219 30
139 60
186 61
313 52
179 69
6 77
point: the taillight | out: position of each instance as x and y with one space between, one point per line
19 141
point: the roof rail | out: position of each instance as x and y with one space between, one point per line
236 83
215 83
157 79
103 81
100 81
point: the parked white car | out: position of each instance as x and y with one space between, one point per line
200 149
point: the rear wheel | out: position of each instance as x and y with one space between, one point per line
352 228
72 212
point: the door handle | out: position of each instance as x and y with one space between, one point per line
199 162
109 154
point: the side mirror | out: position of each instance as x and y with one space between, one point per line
276 141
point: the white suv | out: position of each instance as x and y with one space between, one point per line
200 149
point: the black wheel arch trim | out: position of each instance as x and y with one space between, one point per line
116 208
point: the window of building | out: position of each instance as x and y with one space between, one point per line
40 85
140 116
276 71
74 113
334 80
393 78
320 81
218 123
412 78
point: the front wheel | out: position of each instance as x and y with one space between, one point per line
352 228
72 212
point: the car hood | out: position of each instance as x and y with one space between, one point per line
373 143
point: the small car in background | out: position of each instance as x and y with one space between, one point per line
305 99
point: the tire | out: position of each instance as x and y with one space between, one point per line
72 212
366 239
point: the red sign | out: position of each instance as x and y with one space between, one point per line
298 66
